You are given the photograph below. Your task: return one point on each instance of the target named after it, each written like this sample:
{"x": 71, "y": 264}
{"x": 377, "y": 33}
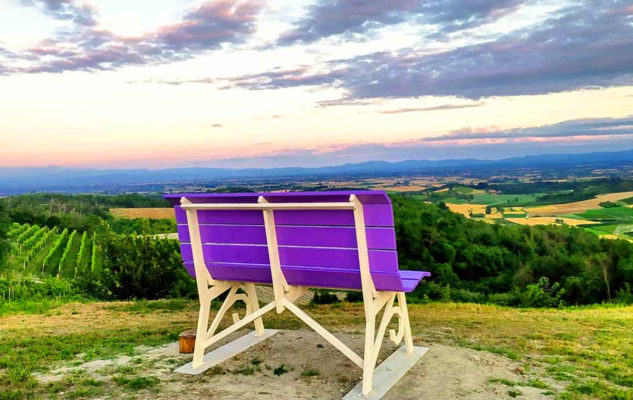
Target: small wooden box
{"x": 187, "y": 341}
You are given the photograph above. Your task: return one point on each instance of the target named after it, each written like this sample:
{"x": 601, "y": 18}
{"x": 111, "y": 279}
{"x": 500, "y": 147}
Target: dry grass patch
{"x": 578, "y": 206}
{"x": 155, "y": 213}
{"x": 550, "y": 221}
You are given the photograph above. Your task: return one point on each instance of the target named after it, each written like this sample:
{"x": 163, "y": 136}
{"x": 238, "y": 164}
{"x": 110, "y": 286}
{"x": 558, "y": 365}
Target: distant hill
{"x": 28, "y": 179}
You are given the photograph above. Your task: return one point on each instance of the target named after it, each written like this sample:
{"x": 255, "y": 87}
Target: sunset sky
{"x": 163, "y": 83}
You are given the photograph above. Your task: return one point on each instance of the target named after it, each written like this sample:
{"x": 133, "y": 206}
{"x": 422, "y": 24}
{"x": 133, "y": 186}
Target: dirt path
{"x": 312, "y": 369}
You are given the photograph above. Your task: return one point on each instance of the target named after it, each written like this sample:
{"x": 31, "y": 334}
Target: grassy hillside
{"x": 573, "y": 353}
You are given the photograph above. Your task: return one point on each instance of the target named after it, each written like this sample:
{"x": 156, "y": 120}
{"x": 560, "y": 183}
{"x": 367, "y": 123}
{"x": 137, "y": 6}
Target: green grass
{"x": 587, "y": 350}
{"x": 614, "y": 213}
{"x": 505, "y": 200}
{"x": 310, "y": 372}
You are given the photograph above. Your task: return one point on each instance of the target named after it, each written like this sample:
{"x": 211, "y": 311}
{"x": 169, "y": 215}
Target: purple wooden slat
{"x": 377, "y": 238}
{"x": 314, "y": 217}
{"x": 181, "y": 215}
{"x": 383, "y": 260}
{"x": 235, "y": 253}
{"x": 228, "y": 253}
{"x": 337, "y": 258}
{"x": 365, "y": 196}
{"x": 252, "y": 217}
{"x": 314, "y": 277}
{"x": 185, "y": 250}
{"x": 300, "y": 197}
{"x": 235, "y": 234}
{"x": 183, "y": 233}
{"x": 378, "y": 215}
{"x": 316, "y": 236}
{"x": 190, "y": 268}
{"x": 246, "y": 272}
{"x": 327, "y": 278}
{"x": 379, "y": 260}
{"x": 249, "y": 217}
{"x": 381, "y": 238}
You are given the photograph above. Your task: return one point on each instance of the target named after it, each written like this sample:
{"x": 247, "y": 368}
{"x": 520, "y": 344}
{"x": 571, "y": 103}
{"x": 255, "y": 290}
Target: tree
{"x": 4, "y": 228}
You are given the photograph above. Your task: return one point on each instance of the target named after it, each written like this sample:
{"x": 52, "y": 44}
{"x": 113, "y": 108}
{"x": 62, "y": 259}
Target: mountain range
{"x": 66, "y": 179}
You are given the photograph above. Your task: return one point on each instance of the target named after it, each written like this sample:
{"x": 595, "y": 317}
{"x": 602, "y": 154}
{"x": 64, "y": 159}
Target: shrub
{"x": 542, "y": 294}
{"x": 354, "y": 297}
{"x": 324, "y": 297}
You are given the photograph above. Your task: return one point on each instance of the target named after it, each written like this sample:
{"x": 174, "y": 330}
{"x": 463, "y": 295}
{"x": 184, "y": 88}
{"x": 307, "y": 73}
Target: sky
{"x": 169, "y": 83}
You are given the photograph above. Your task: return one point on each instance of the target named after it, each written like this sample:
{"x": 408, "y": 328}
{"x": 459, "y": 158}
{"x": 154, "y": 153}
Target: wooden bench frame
{"x": 394, "y": 303}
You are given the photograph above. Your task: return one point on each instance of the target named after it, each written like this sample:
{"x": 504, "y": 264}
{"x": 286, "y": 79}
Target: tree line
{"x": 516, "y": 265}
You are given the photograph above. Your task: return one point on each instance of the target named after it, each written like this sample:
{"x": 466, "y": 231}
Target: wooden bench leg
{"x": 201, "y": 332}
{"x": 373, "y": 339}
{"x": 205, "y": 334}
{"x": 253, "y": 302}
{"x": 369, "y": 363}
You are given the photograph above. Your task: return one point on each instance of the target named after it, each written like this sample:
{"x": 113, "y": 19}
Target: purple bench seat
{"x": 317, "y": 248}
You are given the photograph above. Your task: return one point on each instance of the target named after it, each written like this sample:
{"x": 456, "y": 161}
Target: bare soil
{"x": 301, "y": 365}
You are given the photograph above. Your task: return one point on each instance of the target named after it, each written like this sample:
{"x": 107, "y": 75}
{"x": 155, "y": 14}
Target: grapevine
{"x": 54, "y": 248}
{"x": 66, "y": 253}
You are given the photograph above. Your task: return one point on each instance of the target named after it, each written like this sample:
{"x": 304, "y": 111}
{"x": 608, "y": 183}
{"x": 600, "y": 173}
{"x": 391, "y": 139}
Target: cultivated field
{"x": 131, "y": 213}
{"x": 468, "y": 209}
{"x": 122, "y": 350}
{"x": 551, "y": 221}
{"x": 577, "y": 207}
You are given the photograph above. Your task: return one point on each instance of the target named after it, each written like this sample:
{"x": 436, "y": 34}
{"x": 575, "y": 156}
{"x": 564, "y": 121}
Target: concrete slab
{"x": 389, "y": 373}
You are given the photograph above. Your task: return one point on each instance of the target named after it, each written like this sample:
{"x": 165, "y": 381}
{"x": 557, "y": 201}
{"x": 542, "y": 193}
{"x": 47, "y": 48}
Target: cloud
{"x": 436, "y": 108}
{"x": 574, "y": 136}
{"x": 210, "y": 25}
{"x": 328, "y": 18}
{"x": 586, "y": 45}
{"x": 86, "y": 48}
{"x": 66, "y": 10}
{"x": 579, "y": 127}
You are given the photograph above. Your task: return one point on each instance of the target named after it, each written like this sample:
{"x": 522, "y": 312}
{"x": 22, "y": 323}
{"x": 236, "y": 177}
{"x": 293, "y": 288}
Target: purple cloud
{"x": 85, "y": 48}
{"x": 210, "y": 25}
{"x": 329, "y": 18}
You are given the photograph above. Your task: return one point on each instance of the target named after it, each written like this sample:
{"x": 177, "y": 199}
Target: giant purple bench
{"x": 295, "y": 241}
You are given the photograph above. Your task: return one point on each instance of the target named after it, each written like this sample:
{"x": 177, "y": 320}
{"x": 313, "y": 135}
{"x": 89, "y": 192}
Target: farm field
{"x": 577, "y": 207}
{"x": 42, "y": 251}
{"x": 154, "y": 213}
{"x": 613, "y": 221}
{"x": 569, "y": 354}
{"x": 551, "y": 221}
{"x": 505, "y": 200}
{"x": 613, "y": 213}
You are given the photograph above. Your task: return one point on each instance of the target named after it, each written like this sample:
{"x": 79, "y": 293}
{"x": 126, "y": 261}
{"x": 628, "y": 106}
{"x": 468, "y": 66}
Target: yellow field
{"x": 409, "y": 188}
{"x": 577, "y": 207}
{"x": 549, "y": 221}
{"x": 131, "y": 213}
{"x": 466, "y": 209}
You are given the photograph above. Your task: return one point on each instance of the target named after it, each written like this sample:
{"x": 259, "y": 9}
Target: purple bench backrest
{"x": 316, "y": 247}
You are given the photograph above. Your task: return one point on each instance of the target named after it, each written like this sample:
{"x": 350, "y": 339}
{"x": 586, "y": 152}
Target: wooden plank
{"x": 389, "y": 373}
{"x": 225, "y": 352}
{"x": 270, "y": 206}
{"x": 379, "y": 238}
{"x": 379, "y": 260}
